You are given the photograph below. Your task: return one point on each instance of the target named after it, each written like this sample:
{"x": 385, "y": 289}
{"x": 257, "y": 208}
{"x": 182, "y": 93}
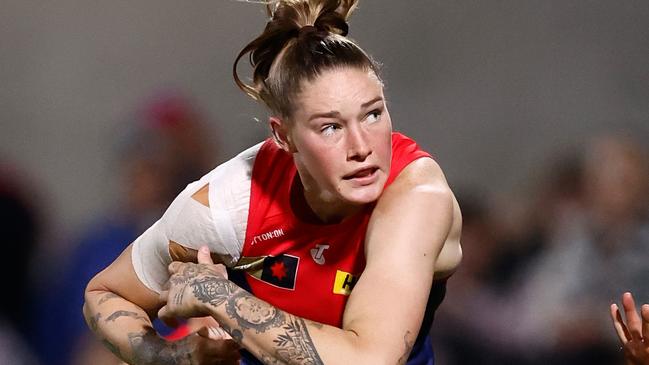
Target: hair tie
{"x": 306, "y": 30}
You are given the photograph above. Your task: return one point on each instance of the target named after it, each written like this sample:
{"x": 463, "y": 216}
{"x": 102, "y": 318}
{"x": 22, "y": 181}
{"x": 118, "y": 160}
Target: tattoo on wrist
{"x": 213, "y": 290}
{"x": 295, "y": 344}
{"x": 252, "y": 313}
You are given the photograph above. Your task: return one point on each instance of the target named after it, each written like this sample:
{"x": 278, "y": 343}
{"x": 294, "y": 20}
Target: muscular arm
{"x": 408, "y": 228}
{"x": 117, "y": 310}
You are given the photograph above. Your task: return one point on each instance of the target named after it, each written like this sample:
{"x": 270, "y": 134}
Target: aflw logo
{"x": 266, "y": 236}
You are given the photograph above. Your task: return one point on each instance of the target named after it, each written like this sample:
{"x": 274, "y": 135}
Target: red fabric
{"x": 274, "y": 230}
{"x": 179, "y": 333}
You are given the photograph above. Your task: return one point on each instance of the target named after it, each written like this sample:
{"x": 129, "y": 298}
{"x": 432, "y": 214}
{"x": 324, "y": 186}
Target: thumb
{"x": 204, "y": 256}
{"x": 203, "y": 332}
{"x": 167, "y": 318}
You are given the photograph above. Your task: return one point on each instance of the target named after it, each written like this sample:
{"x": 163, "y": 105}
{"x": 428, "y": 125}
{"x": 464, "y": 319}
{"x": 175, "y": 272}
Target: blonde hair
{"x": 302, "y": 39}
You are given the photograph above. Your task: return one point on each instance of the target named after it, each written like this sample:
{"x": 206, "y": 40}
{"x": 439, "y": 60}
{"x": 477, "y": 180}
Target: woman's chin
{"x": 363, "y": 195}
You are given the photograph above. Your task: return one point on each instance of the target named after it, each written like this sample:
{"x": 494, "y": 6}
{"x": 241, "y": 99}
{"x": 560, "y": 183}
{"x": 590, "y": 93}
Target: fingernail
{"x": 204, "y": 249}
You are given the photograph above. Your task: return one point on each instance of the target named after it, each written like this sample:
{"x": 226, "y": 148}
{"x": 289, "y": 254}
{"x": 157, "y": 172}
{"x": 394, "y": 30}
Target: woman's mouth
{"x": 363, "y": 176}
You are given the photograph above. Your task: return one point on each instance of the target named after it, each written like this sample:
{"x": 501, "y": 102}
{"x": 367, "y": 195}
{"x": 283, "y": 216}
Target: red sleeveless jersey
{"x": 309, "y": 269}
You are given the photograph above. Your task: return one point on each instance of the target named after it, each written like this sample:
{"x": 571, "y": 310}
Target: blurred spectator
{"x": 167, "y": 147}
{"x": 20, "y": 230}
{"x": 597, "y": 250}
{"x": 536, "y": 292}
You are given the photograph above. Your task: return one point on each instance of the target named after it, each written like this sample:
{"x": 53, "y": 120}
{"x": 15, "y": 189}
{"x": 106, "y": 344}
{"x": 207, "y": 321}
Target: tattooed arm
{"x": 411, "y": 223}
{"x": 208, "y": 291}
{"x": 118, "y": 309}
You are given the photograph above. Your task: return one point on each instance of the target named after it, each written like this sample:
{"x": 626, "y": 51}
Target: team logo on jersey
{"x": 279, "y": 271}
{"x": 317, "y": 253}
{"x": 344, "y": 283}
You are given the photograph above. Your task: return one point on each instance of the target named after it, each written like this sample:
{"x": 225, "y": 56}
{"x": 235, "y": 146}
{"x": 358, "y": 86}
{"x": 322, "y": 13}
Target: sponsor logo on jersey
{"x": 279, "y": 271}
{"x": 317, "y": 253}
{"x": 344, "y": 283}
{"x": 267, "y": 236}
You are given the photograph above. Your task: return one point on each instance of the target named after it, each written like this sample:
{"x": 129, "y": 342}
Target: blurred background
{"x": 538, "y": 111}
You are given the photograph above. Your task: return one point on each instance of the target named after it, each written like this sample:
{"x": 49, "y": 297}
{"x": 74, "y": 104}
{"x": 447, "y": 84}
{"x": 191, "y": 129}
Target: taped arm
{"x": 407, "y": 230}
{"x": 122, "y": 299}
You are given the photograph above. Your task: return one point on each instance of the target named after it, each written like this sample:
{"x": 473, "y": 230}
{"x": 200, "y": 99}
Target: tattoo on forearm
{"x": 296, "y": 344}
{"x": 119, "y": 314}
{"x": 149, "y": 348}
{"x": 408, "y": 343}
{"x": 92, "y": 321}
{"x": 237, "y": 336}
{"x": 107, "y": 297}
{"x": 213, "y": 290}
{"x": 252, "y": 313}
{"x": 269, "y": 360}
{"x": 291, "y": 344}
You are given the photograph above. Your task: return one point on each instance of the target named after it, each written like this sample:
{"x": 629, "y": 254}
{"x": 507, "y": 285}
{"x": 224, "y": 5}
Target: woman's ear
{"x": 280, "y": 134}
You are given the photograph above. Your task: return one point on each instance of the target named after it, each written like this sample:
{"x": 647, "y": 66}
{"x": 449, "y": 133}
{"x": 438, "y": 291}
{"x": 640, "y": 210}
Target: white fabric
{"x": 222, "y": 225}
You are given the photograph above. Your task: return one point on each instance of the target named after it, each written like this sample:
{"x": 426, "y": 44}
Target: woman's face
{"x": 340, "y": 136}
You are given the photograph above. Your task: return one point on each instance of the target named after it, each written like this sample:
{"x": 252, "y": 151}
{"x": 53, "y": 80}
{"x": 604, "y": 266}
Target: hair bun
{"x": 301, "y": 38}
{"x": 333, "y": 23}
{"x": 326, "y": 15}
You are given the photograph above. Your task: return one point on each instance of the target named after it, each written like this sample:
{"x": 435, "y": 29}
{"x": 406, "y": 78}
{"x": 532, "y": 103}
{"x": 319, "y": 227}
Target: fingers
{"x": 210, "y": 321}
{"x": 644, "y": 311}
{"x": 214, "y": 333}
{"x": 165, "y": 316}
{"x": 195, "y": 323}
{"x": 618, "y": 323}
{"x": 204, "y": 256}
{"x": 633, "y": 321}
{"x": 175, "y": 267}
{"x": 218, "y": 333}
{"x": 203, "y": 332}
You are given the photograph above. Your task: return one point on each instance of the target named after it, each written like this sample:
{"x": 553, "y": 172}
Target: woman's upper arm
{"x": 407, "y": 231}
{"x": 120, "y": 278}
{"x": 140, "y": 272}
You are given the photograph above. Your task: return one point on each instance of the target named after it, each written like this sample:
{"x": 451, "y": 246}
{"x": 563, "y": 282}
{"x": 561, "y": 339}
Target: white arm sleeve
{"x": 190, "y": 224}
